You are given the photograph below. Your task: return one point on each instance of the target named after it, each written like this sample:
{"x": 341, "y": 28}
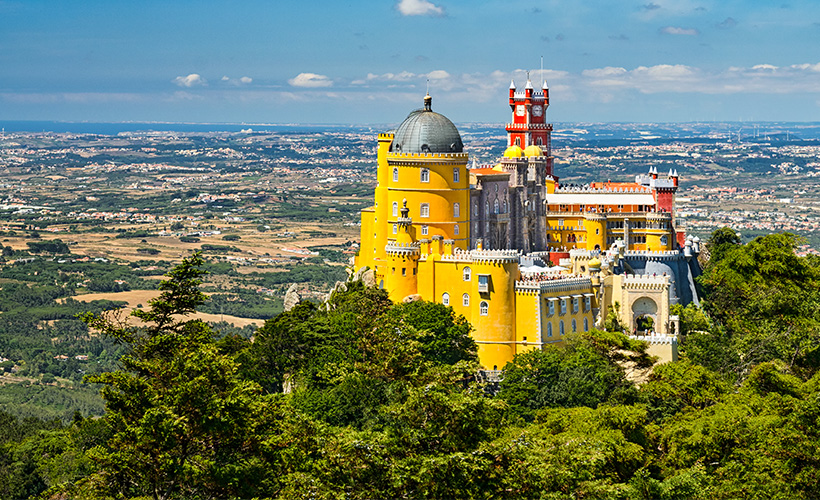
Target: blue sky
{"x": 336, "y": 61}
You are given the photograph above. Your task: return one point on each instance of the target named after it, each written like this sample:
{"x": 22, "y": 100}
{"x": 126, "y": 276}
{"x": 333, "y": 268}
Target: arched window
{"x": 445, "y": 298}
{"x": 425, "y": 175}
{"x": 483, "y": 308}
{"x": 467, "y": 274}
{"x": 505, "y": 207}
{"x": 465, "y": 300}
{"x": 456, "y": 175}
{"x": 538, "y": 141}
{"x": 517, "y": 141}
{"x": 486, "y": 209}
{"x": 549, "y": 329}
{"x": 561, "y": 327}
{"x": 395, "y": 175}
{"x": 455, "y": 229}
{"x": 495, "y": 206}
{"x": 574, "y": 325}
{"x": 456, "y": 210}
{"x": 586, "y": 324}
{"x": 395, "y": 229}
{"x": 395, "y": 209}
{"x": 424, "y": 211}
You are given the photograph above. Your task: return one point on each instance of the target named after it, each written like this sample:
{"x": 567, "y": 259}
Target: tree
{"x": 584, "y": 372}
{"x": 184, "y": 424}
{"x": 768, "y": 300}
{"x": 721, "y": 241}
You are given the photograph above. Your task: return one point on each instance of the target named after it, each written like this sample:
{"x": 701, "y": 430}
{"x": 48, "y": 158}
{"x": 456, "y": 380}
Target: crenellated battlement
{"x": 480, "y": 256}
{"x": 645, "y": 281}
{"x": 658, "y": 339}
{"x": 646, "y": 254}
{"x": 603, "y": 190}
{"x": 402, "y": 249}
{"x": 555, "y": 285}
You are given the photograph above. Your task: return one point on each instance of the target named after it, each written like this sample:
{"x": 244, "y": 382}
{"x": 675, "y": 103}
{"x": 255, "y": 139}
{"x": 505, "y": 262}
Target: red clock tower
{"x": 529, "y": 125}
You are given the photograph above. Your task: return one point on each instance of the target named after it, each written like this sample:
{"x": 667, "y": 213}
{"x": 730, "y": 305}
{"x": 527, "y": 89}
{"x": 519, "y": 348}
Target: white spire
{"x": 512, "y": 84}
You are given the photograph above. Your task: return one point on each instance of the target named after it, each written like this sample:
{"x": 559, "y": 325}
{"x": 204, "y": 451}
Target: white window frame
{"x": 445, "y": 298}
{"x": 456, "y": 210}
{"x": 424, "y": 230}
{"x": 484, "y": 308}
{"x": 465, "y": 300}
{"x": 424, "y": 210}
{"x": 467, "y": 274}
{"x": 395, "y": 174}
{"x": 483, "y": 283}
{"x": 395, "y": 209}
{"x": 395, "y": 229}
{"x": 552, "y": 307}
{"x": 563, "y": 306}
{"x": 425, "y": 175}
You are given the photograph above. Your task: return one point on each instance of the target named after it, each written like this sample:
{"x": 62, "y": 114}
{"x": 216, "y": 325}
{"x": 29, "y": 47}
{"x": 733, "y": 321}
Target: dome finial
{"x": 428, "y": 102}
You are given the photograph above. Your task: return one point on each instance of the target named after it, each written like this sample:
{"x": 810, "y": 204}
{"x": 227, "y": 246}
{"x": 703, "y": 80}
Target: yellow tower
{"x": 659, "y": 236}
{"x": 595, "y": 225}
{"x": 427, "y": 167}
{"x": 494, "y": 312}
{"x": 401, "y": 267}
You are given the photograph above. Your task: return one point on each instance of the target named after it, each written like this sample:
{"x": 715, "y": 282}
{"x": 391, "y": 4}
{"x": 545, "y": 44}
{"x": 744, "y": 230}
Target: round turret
{"x": 425, "y": 131}
{"x": 533, "y": 150}
{"x": 513, "y": 152}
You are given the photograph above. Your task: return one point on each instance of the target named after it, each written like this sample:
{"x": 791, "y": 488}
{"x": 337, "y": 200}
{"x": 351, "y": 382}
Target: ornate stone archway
{"x": 644, "y": 307}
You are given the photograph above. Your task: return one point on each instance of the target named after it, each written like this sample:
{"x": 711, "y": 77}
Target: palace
{"x": 525, "y": 259}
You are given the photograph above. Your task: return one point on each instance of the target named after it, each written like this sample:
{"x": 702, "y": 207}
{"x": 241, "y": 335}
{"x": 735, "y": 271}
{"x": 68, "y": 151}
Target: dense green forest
{"x": 360, "y": 398}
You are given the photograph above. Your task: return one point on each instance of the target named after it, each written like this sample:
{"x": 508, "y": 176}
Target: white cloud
{"x": 419, "y": 8}
{"x": 245, "y": 80}
{"x": 764, "y": 67}
{"x": 665, "y": 71}
{"x": 310, "y": 80}
{"x": 438, "y": 74}
{"x": 810, "y": 67}
{"x": 602, "y": 72}
{"x": 192, "y": 80}
{"x": 675, "y": 30}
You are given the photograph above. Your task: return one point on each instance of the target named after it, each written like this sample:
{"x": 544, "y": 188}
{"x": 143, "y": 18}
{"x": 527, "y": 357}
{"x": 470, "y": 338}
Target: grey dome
{"x": 425, "y": 131}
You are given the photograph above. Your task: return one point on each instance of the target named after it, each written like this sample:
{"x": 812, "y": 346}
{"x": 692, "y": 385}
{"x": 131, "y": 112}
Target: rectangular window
{"x": 563, "y": 306}
{"x": 425, "y": 175}
{"x": 424, "y": 230}
{"x": 587, "y": 304}
{"x": 574, "y": 305}
{"x": 552, "y": 307}
{"x": 560, "y": 222}
{"x": 425, "y": 210}
{"x": 404, "y": 271}
{"x": 483, "y": 283}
